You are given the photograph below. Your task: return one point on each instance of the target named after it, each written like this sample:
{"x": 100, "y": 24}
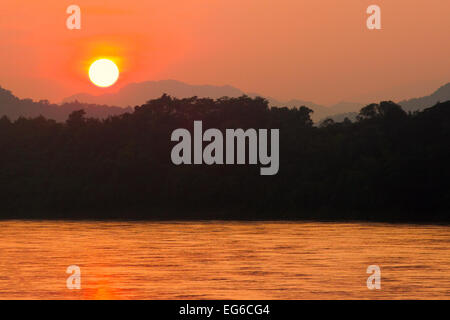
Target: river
{"x": 223, "y": 260}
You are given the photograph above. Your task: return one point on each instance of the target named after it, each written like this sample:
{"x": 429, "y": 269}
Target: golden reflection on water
{"x": 222, "y": 260}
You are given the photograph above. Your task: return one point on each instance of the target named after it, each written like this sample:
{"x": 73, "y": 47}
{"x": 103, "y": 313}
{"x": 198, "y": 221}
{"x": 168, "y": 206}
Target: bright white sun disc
{"x": 103, "y": 73}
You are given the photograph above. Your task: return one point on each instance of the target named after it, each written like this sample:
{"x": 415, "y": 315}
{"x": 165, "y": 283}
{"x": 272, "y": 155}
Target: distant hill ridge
{"x": 416, "y": 104}
{"x": 138, "y": 93}
{"x": 13, "y": 107}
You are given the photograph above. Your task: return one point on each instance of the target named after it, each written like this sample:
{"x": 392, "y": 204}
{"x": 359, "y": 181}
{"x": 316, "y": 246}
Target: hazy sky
{"x": 318, "y": 50}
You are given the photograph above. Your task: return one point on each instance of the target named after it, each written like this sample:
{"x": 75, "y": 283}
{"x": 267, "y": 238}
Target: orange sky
{"x": 307, "y": 49}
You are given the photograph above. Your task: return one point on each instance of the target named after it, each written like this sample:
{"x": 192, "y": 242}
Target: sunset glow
{"x": 225, "y": 159}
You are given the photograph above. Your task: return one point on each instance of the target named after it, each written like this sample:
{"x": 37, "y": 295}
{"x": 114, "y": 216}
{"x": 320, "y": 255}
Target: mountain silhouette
{"x": 134, "y": 94}
{"x": 345, "y": 107}
{"x": 417, "y": 104}
{"x": 13, "y": 107}
{"x": 138, "y": 93}
{"x": 349, "y": 110}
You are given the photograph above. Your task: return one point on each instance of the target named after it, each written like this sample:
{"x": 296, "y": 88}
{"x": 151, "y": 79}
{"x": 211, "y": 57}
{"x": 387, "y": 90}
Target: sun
{"x": 103, "y": 73}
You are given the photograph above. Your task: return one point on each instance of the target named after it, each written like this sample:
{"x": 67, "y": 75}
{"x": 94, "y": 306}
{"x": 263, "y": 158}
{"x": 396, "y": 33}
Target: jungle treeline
{"x": 388, "y": 165}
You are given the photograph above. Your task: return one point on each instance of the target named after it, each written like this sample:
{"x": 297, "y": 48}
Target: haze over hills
{"x": 134, "y": 94}
{"x": 138, "y": 93}
{"x": 13, "y": 107}
{"x": 416, "y": 104}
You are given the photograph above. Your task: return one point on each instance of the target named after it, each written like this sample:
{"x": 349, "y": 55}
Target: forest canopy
{"x": 388, "y": 165}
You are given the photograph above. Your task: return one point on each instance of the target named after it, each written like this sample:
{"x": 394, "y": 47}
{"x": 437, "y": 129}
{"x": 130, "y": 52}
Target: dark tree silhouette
{"x": 388, "y": 165}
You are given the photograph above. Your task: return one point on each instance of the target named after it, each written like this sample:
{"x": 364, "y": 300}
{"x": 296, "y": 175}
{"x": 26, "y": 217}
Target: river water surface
{"x": 223, "y": 260}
